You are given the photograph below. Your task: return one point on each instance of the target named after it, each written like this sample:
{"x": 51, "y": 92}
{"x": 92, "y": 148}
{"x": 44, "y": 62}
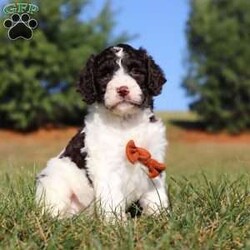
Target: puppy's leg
{"x": 63, "y": 189}
{"x": 155, "y": 200}
{"x": 110, "y": 200}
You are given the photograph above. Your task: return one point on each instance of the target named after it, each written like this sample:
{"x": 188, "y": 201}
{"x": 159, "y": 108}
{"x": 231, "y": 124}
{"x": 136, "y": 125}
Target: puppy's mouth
{"x": 125, "y": 102}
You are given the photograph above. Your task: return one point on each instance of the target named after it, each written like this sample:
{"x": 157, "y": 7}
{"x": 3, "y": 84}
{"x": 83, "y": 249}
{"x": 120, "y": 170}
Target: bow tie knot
{"x": 136, "y": 154}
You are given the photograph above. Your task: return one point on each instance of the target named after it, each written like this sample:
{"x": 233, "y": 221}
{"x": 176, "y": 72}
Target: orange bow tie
{"x": 135, "y": 154}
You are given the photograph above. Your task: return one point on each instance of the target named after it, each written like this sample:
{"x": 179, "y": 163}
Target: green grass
{"x": 205, "y": 215}
{"x": 209, "y": 186}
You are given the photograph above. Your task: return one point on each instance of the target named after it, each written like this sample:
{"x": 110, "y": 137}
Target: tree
{"x": 38, "y": 76}
{"x": 219, "y": 57}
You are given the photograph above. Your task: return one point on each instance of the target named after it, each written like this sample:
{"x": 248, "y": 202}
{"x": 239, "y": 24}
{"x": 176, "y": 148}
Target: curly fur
{"x": 93, "y": 77}
{"x": 118, "y": 85}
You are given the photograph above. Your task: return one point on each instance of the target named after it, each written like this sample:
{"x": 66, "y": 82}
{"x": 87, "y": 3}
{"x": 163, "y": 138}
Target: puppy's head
{"x": 121, "y": 78}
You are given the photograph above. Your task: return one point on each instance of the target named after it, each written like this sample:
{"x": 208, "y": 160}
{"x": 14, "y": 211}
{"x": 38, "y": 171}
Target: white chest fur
{"x": 106, "y": 139}
{"x": 62, "y": 188}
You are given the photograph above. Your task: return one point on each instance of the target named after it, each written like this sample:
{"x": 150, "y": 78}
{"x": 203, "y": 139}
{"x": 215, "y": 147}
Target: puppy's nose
{"x": 123, "y": 91}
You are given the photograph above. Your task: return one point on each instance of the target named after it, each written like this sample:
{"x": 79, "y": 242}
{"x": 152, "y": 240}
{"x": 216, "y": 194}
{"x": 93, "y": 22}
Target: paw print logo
{"x": 20, "y": 26}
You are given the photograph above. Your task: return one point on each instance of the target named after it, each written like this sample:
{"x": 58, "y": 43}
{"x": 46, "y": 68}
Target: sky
{"x": 160, "y": 26}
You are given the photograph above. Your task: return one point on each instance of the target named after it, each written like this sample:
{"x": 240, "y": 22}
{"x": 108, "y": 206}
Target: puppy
{"x": 93, "y": 170}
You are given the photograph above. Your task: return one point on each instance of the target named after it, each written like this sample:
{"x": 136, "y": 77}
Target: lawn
{"x": 209, "y": 186}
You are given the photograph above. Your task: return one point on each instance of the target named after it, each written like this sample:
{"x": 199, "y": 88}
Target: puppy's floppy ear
{"x": 86, "y": 82}
{"x": 156, "y": 77}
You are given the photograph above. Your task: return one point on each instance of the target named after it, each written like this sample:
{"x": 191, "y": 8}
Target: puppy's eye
{"x": 135, "y": 68}
{"x": 136, "y": 71}
{"x": 106, "y": 72}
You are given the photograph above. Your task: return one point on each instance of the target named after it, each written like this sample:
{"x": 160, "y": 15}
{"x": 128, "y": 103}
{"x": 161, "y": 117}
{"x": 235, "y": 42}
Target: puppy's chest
{"x": 106, "y": 142}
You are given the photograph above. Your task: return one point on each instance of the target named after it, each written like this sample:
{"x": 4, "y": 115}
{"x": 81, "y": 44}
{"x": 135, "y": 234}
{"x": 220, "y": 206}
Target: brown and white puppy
{"x": 118, "y": 85}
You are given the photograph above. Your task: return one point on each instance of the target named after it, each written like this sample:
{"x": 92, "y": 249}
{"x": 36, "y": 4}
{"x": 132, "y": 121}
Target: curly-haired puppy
{"x": 118, "y": 85}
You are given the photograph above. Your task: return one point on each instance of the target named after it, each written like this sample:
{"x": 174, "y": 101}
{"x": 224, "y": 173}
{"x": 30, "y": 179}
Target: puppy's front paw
{"x": 111, "y": 215}
{"x": 154, "y": 206}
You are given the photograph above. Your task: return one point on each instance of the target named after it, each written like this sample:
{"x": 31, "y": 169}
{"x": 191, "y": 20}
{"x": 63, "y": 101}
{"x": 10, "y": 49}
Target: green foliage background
{"x": 219, "y": 58}
{"x": 38, "y": 75}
